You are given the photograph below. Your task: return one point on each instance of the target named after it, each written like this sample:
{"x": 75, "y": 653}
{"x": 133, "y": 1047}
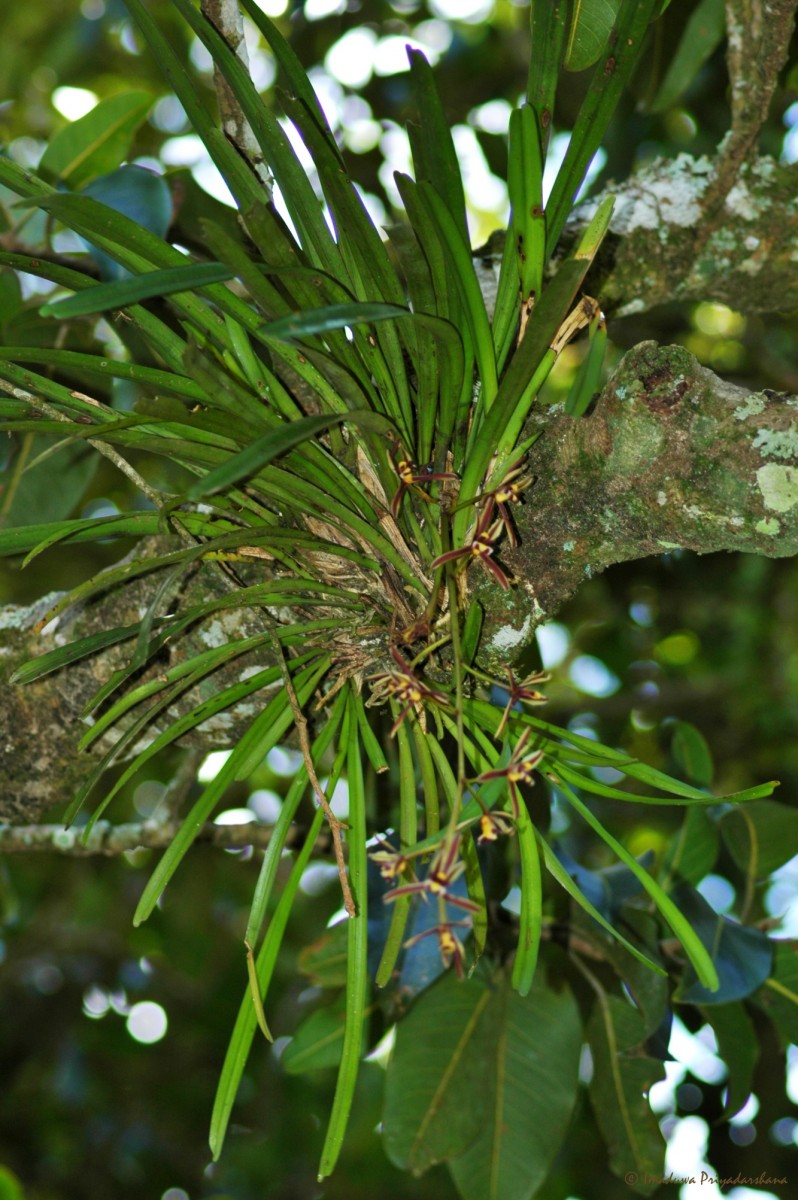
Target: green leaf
{"x": 692, "y": 853}
{"x": 588, "y": 377}
{"x": 619, "y": 1088}
{"x": 96, "y": 143}
{"x": 547, "y": 28}
{"x": 246, "y": 1022}
{"x": 324, "y": 961}
{"x": 269, "y": 726}
{"x": 566, "y": 880}
{"x": 738, "y": 1046}
{"x": 701, "y": 35}
{"x": 742, "y": 954}
{"x": 531, "y": 915}
{"x": 779, "y": 995}
{"x": 10, "y": 1187}
{"x": 261, "y": 452}
{"x": 332, "y": 316}
{"x": 318, "y": 1041}
{"x": 137, "y": 193}
{"x": 357, "y": 957}
{"x": 236, "y": 172}
{"x": 530, "y": 1069}
{"x": 690, "y": 750}
{"x": 123, "y": 292}
{"x": 694, "y": 947}
{"x": 591, "y": 25}
{"x": 761, "y": 836}
{"x": 28, "y": 497}
{"x": 610, "y": 77}
{"x": 434, "y": 157}
{"x": 439, "y": 1058}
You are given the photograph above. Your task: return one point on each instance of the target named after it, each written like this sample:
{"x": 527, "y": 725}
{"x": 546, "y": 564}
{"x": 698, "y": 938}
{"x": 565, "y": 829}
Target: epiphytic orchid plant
{"x": 342, "y": 424}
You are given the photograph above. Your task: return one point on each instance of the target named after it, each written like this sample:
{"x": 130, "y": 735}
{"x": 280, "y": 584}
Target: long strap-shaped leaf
{"x": 610, "y": 77}
{"x": 237, "y": 174}
{"x": 693, "y": 947}
{"x": 357, "y": 956}
{"x": 272, "y": 723}
{"x": 246, "y": 1023}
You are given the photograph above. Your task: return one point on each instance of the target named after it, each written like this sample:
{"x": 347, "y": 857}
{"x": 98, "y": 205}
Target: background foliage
{"x": 711, "y": 642}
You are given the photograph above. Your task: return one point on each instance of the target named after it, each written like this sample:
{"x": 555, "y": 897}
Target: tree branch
{"x": 671, "y": 457}
{"x": 747, "y": 258}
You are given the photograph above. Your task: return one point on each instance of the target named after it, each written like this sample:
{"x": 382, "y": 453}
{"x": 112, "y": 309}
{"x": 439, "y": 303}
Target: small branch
{"x": 226, "y": 18}
{"x": 334, "y": 823}
{"x": 110, "y": 840}
{"x": 759, "y": 36}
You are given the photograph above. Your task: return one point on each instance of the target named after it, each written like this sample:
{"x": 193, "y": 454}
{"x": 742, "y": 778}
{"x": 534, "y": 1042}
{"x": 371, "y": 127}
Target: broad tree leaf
{"x": 622, "y": 1076}
{"x": 435, "y": 1082}
{"x": 29, "y": 498}
{"x": 96, "y": 143}
{"x": 702, "y": 34}
{"x": 761, "y": 836}
{"x": 693, "y": 851}
{"x": 691, "y": 752}
{"x": 779, "y": 994}
{"x": 318, "y": 1041}
{"x": 136, "y": 193}
{"x": 529, "y": 1075}
{"x": 742, "y": 955}
{"x": 738, "y": 1046}
{"x": 481, "y": 1070}
{"x": 591, "y": 24}
{"x": 324, "y": 961}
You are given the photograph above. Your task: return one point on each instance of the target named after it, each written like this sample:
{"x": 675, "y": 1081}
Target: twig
{"x": 111, "y": 840}
{"x": 759, "y": 38}
{"x": 334, "y": 823}
{"x": 225, "y": 16}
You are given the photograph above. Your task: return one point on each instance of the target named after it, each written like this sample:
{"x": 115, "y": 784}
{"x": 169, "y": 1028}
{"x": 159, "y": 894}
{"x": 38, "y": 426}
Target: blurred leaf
{"x": 591, "y": 25}
{"x": 691, "y": 752}
{"x": 622, "y": 1076}
{"x": 137, "y": 193}
{"x": 779, "y": 995}
{"x": 761, "y": 836}
{"x": 742, "y": 955}
{"x": 28, "y": 497}
{"x": 324, "y": 961}
{"x": 702, "y": 34}
{"x": 10, "y": 1187}
{"x": 738, "y": 1046}
{"x": 692, "y": 852}
{"x": 97, "y": 143}
{"x": 318, "y": 1040}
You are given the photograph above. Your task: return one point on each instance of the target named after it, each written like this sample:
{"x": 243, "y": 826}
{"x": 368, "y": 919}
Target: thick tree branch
{"x": 671, "y": 457}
